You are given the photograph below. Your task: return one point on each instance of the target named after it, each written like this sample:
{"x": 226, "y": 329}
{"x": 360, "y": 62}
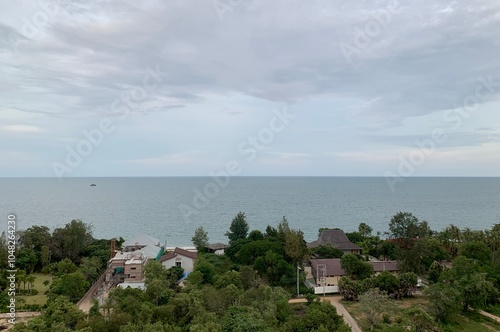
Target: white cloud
{"x": 23, "y": 129}
{"x": 219, "y": 78}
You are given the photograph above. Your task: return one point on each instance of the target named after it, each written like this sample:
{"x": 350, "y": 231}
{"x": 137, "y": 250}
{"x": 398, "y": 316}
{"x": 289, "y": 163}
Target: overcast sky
{"x": 168, "y": 88}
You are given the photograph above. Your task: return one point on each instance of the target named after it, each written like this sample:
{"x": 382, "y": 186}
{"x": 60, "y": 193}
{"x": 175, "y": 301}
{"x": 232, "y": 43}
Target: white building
{"x": 179, "y": 257}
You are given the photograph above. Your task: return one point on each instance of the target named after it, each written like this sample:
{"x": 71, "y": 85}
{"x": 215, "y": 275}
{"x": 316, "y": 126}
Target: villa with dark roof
{"x": 337, "y": 239}
{"x": 331, "y": 270}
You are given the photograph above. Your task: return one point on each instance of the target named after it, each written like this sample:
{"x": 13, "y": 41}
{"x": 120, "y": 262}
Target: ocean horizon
{"x": 170, "y": 208}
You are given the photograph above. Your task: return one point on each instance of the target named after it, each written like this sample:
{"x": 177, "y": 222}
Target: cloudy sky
{"x": 169, "y": 88}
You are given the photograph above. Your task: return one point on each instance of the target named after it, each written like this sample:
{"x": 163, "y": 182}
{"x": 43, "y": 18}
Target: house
{"x": 337, "y": 239}
{"x": 179, "y": 257}
{"x": 327, "y": 272}
{"x": 127, "y": 266}
{"x": 134, "y": 267}
{"x": 139, "y": 242}
{"x": 217, "y": 248}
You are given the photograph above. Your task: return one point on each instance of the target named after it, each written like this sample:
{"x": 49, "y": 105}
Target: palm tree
{"x": 31, "y": 281}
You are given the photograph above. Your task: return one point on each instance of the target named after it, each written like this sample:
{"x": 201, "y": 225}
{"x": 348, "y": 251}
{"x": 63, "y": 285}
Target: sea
{"x": 171, "y": 208}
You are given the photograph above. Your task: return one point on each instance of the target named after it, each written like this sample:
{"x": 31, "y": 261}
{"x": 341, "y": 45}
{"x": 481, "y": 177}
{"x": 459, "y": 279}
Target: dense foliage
{"x": 248, "y": 288}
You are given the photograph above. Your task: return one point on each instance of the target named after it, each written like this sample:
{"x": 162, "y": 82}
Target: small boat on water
{"x": 92, "y": 185}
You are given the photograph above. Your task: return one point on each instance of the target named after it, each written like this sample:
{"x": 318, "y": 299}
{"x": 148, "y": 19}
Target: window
{"x": 179, "y": 264}
{"x": 132, "y": 268}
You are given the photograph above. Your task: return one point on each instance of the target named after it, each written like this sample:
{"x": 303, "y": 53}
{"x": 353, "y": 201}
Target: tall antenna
{"x": 112, "y": 249}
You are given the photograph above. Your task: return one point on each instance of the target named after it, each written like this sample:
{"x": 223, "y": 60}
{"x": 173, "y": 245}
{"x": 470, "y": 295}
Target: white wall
{"x": 186, "y": 263}
{"x": 327, "y": 289}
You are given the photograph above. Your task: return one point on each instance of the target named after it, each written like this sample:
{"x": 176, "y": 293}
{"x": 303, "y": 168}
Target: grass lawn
{"x": 398, "y": 321}
{"x": 494, "y": 310}
{"x": 39, "y": 298}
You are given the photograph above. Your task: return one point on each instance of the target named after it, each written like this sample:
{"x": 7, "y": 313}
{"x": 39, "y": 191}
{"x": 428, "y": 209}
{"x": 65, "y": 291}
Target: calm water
{"x": 128, "y": 206}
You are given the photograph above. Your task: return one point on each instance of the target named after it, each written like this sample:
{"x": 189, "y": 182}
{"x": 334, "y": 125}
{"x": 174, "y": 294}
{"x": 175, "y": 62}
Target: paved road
{"x": 341, "y": 310}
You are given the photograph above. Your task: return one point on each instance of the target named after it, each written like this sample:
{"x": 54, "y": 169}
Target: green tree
{"x": 61, "y": 310}
{"x": 21, "y": 278}
{"x": 387, "y": 250}
{"x": 243, "y": 319}
{"x": 238, "y": 228}
{"x": 271, "y": 233}
{"x": 90, "y": 268}
{"x": 253, "y": 250}
{"x": 30, "y": 279}
{"x": 73, "y": 285}
{"x": 70, "y": 241}
{"x": 434, "y": 272}
{"x": 407, "y": 284}
{"x": 469, "y": 235}
{"x": 327, "y": 251}
{"x": 45, "y": 256}
{"x": 206, "y": 269}
{"x": 283, "y": 229}
{"x": 200, "y": 239}
{"x": 420, "y": 319}
{"x": 26, "y": 259}
{"x": 295, "y": 246}
{"x": 387, "y": 282}
{"x": 476, "y": 250}
{"x": 64, "y": 266}
{"x": 364, "y": 230}
{"x": 476, "y": 291}
{"x": 373, "y": 304}
{"x": 248, "y": 276}
{"x": 356, "y": 267}
{"x": 255, "y": 235}
{"x": 444, "y": 301}
{"x": 350, "y": 289}
{"x": 405, "y": 228}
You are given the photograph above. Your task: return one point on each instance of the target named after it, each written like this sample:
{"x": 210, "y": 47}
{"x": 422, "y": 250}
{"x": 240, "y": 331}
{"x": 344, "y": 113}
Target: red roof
{"x": 178, "y": 251}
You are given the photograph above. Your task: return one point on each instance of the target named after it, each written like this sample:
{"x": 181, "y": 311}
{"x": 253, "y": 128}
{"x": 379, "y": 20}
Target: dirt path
{"x": 341, "y": 310}
{"x": 22, "y": 316}
{"x": 86, "y": 304}
{"x": 487, "y": 314}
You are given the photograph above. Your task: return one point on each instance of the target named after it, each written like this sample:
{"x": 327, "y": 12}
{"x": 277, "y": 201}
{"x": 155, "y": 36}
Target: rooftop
{"x": 217, "y": 246}
{"x": 333, "y": 266}
{"x": 142, "y": 240}
{"x": 178, "y": 251}
{"x": 335, "y": 237}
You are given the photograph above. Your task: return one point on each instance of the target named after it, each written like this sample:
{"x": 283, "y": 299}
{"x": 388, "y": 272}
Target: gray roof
{"x": 390, "y": 266}
{"x": 142, "y": 240}
{"x": 335, "y": 237}
{"x": 333, "y": 266}
{"x": 150, "y": 251}
{"x": 217, "y": 246}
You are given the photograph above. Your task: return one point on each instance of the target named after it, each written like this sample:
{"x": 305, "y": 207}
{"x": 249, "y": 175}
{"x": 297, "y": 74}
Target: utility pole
{"x": 298, "y": 289}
